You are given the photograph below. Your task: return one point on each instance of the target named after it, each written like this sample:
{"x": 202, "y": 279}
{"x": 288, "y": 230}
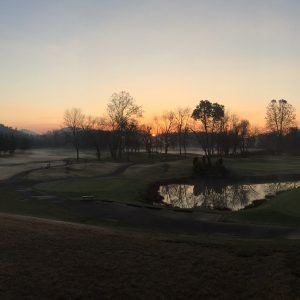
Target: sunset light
{"x": 150, "y": 149}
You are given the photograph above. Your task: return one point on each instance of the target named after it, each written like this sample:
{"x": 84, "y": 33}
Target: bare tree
{"x": 122, "y": 112}
{"x": 223, "y": 137}
{"x": 244, "y": 135}
{"x": 93, "y": 128}
{"x": 147, "y": 138}
{"x": 167, "y": 127}
{"x": 157, "y": 134}
{"x": 280, "y": 118}
{"x": 182, "y": 123}
{"x": 73, "y": 119}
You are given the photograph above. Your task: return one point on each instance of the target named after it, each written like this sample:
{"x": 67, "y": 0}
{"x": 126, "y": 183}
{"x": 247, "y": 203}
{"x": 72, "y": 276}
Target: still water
{"x": 220, "y": 195}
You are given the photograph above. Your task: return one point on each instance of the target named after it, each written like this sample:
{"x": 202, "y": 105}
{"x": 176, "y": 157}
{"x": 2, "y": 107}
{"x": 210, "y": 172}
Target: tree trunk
{"x": 98, "y": 152}
{"x": 77, "y": 152}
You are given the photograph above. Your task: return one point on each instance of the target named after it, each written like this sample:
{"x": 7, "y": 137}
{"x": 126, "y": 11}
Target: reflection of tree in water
{"x": 218, "y": 195}
{"x": 276, "y": 187}
{"x": 179, "y": 195}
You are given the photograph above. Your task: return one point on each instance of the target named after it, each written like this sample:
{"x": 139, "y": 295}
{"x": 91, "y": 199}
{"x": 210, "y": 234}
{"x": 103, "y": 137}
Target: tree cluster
{"x": 217, "y": 132}
{"x": 12, "y": 139}
{"x": 209, "y": 125}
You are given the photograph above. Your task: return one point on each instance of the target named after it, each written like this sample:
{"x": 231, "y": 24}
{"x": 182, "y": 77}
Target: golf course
{"x": 102, "y": 212}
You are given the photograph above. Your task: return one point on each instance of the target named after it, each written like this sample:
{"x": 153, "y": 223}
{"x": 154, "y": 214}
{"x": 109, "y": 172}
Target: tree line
{"x": 215, "y": 130}
{"x": 12, "y": 139}
{"x": 209, "y": 127}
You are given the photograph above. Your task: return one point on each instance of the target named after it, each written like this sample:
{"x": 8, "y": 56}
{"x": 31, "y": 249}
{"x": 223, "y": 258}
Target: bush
{"x": 204, "y": 167}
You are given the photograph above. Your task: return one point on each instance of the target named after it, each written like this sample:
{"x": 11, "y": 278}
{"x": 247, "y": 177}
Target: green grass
{"x": 14, "y": 202}
{"x": 143, "y": 158}
{"x": 284, "y": 209}
{"x": 264, "y": 165}
{"x": 131, "y": 186}
{"x": 108, "y": 188}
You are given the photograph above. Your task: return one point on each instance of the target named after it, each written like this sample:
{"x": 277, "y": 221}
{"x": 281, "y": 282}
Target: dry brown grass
{"x": 48, "y": 260}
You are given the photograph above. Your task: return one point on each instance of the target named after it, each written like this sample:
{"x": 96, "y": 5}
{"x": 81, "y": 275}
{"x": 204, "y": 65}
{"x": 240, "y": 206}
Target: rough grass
{"x": 284, "y": 209}
{"x": 133, "y": 184}
{"x": 89, "y": 169}
{"x": 264, "y": 165}
{"x": 129, "y": 187}
{"x": 14, "y": 202}
{"x": 41, "y": 259}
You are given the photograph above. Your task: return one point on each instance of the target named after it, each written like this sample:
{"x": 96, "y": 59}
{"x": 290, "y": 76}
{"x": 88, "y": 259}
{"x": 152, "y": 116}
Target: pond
{"x": 220, "y": 195}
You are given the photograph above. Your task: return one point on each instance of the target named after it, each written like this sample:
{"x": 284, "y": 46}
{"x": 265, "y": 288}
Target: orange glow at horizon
{"x": 255, "y": 117}
{"x": 166, "y": 54}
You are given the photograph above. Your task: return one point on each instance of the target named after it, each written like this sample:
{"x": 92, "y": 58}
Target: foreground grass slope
{"x": 42, "y": 259}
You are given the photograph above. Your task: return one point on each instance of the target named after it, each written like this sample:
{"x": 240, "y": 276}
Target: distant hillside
{"x": 29, "y": 132}
{"x": 9, "y": 130}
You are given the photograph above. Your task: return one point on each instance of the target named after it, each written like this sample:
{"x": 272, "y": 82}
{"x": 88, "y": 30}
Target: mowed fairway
{"x": 47, "y": 260}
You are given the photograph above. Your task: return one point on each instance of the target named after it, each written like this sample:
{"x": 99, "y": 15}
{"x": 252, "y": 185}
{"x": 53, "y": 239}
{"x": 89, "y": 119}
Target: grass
{"x": 284, "y": 209}
{"x": 44, "y": 258}
{"x": 132, "y": 187}
{"x": 41, "y": 259}
{"x": 143, "y": 158}
{"x": 14, "y": 202}
{"x": 108, "y": 188}
{"x": 129, "y": 187}
{"x": 264, "y": 165}
{"x": 85, "y": 169}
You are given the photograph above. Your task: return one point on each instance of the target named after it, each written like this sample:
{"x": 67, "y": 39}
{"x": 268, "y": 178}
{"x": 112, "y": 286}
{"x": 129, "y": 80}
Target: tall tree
{"x": 244, "y": 135}
{"x": 280, "y": 118}
{"x": 122, "y": 111}
{"x": 210, "y": 116}
{"x": 182, "y": 123}
{"x": 93, "y": 129}
{"x": 167, "y": 127}
{"x": 73, "y": 120}
{"x": 147, "y": 138}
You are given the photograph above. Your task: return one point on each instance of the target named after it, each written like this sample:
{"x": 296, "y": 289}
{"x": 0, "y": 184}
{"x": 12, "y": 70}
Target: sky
{"x": 60, "y": 54}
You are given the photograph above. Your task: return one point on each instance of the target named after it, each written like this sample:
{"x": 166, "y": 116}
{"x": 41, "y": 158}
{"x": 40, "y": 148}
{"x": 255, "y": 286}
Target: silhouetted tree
{"x": 182, "y": 123}
{"x": 147, "y": 138}
{"x": 210, "y": 116}
{"x": 279, "y": 118}
{"x": 93, "y": 130}
{"x": 122, "y": 112}
{"x": 167, "y": 126}
{"x": 73, "y": 120}
{"x": 244, "y": 136}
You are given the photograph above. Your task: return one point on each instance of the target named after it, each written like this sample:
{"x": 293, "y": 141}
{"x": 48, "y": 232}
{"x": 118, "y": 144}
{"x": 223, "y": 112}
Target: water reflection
{"x": 219, "y": 195}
